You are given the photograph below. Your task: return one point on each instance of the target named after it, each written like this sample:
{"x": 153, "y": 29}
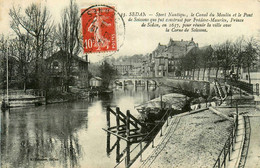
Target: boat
{"x": 105, "y": 92}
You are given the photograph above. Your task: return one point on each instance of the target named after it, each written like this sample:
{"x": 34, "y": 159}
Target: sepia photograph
{"x": 130, "y": 84}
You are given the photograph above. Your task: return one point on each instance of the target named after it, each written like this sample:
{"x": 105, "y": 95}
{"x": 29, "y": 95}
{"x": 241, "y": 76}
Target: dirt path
{"x": 196, "y": 142}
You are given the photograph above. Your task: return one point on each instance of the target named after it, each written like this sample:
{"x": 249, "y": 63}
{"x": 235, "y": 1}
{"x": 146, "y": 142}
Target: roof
{"x": 122, "y": 63}
{"x": 160, "y": 47}
{"x": 63, "y": 54}
{"x": 178, "y": 43}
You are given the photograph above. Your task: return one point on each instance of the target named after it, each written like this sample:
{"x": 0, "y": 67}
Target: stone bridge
{"x": 137, "y": 81}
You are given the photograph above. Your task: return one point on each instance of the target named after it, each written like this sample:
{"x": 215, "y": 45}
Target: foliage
{"x": 240, "y": 54}
{"x": 68, "y": 36}
{"x": 107, "y": 73}
{"x": 32, "y": 28}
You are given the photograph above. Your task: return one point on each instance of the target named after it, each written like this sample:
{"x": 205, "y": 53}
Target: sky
{"x": 139, "y": 40}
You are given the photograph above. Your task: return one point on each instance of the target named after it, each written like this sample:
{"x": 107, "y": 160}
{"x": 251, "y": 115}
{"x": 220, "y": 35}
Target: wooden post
{"x": 141, "y": 151}
{"x": 167, "y": 117}
{"x": 161, "y": 100}
{"x": 108, "y": 116}
{"x": 46, "y": 95}
{"x": 233, "y": 139}
{"x": 236, "y": 121}
{"x": 118, "y": 139}
{"x": 237, "y": 113}
{"x": 127, "y": 136}
{"x": 161, "y": 131}
{"x": 225, "y": 155}
{"x": 108, "y": 126}
{"x": 7, "y": 77}
{"x": 229, "y": 144}
{"x": 231, "y": 97}
{"x": 257, "y": 89}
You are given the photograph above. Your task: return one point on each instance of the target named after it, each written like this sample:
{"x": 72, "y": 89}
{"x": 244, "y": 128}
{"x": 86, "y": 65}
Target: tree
{"x": 205, "y": 58}
{"x": 7, "y": 56}
{"x": 36, "y": 22}
{"x": 107, "y": 73}
{"x": 250, "y": 55}
{"x": 68, "y": 36}
{"x": 217, "y": 57}
{"x": 192, "y": 59}
{"x": 228, "y": 55}
{"x": 239, "y": 52}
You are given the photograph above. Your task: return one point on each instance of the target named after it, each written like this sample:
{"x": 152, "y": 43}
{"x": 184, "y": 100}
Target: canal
{"x": 66, "y": 134}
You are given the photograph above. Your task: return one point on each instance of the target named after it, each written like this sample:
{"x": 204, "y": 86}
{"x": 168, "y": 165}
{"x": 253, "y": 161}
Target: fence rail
{"x": 229, "y": 144}
{"x": 34, "y": 92}
{"x": 248, "y": 87}
{"x": 142, "y": 148}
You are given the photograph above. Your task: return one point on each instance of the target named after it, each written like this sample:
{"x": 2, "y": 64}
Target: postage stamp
{"x": 99, "y": 29}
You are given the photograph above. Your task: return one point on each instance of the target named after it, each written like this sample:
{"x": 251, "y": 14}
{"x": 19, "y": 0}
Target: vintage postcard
{"x": 140, "y": 83}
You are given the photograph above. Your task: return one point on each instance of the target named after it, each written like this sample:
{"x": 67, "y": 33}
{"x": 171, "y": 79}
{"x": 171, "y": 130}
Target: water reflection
{"x": 67, "y": 134}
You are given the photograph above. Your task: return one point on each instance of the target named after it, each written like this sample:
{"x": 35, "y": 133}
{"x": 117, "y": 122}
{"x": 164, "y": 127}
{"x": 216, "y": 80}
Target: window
{"x": 55, "y": 65}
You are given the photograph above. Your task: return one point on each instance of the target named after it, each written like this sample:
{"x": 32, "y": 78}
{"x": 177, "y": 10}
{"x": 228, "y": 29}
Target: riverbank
{"x": 19, "y": 98}
{"x": 195, "y": 141}
{"x": 198, "y": 138}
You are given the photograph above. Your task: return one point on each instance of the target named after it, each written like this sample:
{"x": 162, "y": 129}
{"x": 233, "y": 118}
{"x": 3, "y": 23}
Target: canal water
{"x": 66, "y": 134}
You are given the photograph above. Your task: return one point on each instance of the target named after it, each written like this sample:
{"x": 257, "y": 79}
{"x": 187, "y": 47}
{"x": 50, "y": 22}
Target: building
{"x": 95, "y": 82}
{"x": 136, "y": 69}
{"x": 161, "y": 66}
{"x": 165, "y": 58}
{"x": 123, "y": 68}
{"x": 58, "y": 67}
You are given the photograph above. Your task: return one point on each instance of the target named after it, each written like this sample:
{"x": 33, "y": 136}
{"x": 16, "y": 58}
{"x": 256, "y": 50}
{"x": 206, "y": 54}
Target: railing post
{"x": 167, "y": 117}
{"x": 229, "y": 147}
{"x": 257, "y": 89}
{"x": 237, "y": 113}
{"x": 161, "y": 131}
{"x": 141, "y": 151}
{"x": 231, "y": 97}
{"x": 118, "y": 139}
{"x": 127, "y": 136}
{"x": 225, "y": 155}
{"x": 161, "y": 101}
{"x": 108, "y": 126}
{"x": 233, "y": 138}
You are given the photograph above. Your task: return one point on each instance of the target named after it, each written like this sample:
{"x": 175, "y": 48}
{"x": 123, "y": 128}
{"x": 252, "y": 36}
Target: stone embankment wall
{"x": 188, "y": 85}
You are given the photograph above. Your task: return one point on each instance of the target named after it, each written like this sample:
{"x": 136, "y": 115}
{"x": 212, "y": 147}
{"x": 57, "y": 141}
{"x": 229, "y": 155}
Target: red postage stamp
{"x": 99, "y": 29}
